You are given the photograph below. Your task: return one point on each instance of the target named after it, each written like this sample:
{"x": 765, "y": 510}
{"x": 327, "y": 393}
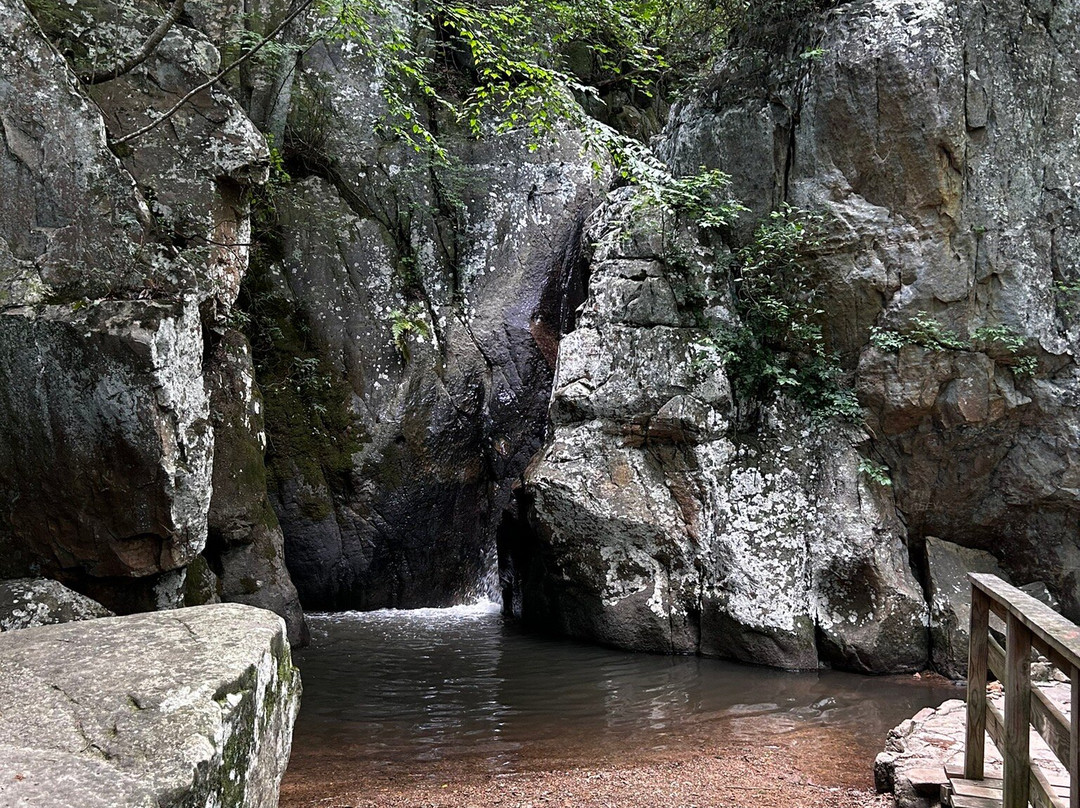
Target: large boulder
{"x": 106, "y": 446}
{"x": 29, "y": 602}
{"x": 189, "y": 708}
{"x": 948, "y": 566}
{"x": 660, "y": 524}
{"x": 77, "y": 221}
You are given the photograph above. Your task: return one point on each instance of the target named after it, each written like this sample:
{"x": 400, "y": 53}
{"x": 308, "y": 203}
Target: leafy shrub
{"x": 780, "y": 348}
{"x": 929, "y": 333}
{"x": 876, "y": 472}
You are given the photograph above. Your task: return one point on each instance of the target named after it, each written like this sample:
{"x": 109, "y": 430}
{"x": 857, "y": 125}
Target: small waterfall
{"x": 487, "y": 588}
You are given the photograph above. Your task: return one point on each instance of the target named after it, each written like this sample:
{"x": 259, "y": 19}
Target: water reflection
{"x": 392, "y": 689}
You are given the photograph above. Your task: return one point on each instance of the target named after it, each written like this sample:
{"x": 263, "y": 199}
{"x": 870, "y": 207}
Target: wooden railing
{"x": 1029, "y": 625}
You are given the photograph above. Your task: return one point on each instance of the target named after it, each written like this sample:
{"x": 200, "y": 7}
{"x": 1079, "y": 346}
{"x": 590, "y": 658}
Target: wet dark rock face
{"x": 391, "y": 496}
{"x": 426, "y": 301}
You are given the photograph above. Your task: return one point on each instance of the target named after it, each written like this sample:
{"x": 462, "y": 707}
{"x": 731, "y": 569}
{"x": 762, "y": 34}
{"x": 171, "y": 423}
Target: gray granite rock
{"x": 392, "y": 495}
{"x": 189, "y": 708}
{"x": 245, "y": 548}
{"x": 662, "y": 524}
{"x": 106, "y": 447}
{"x": 76, "y": 224}
{"x": 30, "y": 602}
{"x": 118, "y": 268}
{"x": 940, "y": 160}
{"x": 948, "y": 566}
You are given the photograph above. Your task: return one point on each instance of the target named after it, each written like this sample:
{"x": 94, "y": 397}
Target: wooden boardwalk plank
{"x": 976, "y": 788}
{"x": 956, "y": 772}
{"x": 960, "y": 801}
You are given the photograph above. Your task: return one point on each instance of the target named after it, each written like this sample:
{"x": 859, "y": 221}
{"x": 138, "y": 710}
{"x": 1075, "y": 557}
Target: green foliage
{"x": 927, "y": 332}
{"x": 246, "y": 38}
{"x": 701, "y": 197}
{"x": 923, "y": 330}
{"x": 407, "y": 325}
{"x": 1025, "y": 366}
{"x": 1000, "y": 335}
{"x": 780, "y": 347}
{"x": 278, "y": 175}
{"x": 1068, "y": 297}
{"x": 887, "y": 340}
{"x": 777, "y": 294}
{"x": 876, "y": 472}
{"x": 503, "y": 65}
{"x": 491, "y": 67}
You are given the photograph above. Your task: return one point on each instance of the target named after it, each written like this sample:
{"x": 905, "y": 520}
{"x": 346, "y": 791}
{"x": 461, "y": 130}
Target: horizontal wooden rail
{"x": 1029, "y": 626}
{"x": 1055, "y": 637}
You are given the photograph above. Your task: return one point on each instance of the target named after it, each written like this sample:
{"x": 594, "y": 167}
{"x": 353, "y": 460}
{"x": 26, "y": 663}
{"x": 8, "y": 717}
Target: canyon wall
{"x": 936, "y": 140}
{"x": 265, "y": 353}
{"x": 129, "y": 421}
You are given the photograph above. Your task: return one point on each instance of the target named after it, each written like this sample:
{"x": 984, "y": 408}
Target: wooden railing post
{"x": 1074, "y": 741}
{"x": 1016, "y": 788}
{"x": 975, "y": 743}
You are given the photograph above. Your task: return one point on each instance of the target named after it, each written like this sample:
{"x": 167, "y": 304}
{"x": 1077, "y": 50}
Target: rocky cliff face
{"x": 664, "y": 523}
{"x": 392, "y": 495}
{"x": 116, "y": 277}
{"x": 942, "y": 170}
{"x": 405, "y": 315}
{"x": 940, "y": 137}
{"x": 398, "y": 336}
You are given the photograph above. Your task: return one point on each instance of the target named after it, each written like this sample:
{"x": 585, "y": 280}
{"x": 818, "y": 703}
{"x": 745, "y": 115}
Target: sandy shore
{"x": 800, "y": 770}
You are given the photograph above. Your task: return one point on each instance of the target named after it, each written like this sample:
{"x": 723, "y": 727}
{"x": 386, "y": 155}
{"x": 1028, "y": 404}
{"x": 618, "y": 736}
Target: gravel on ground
{"x": 806, "y": 769}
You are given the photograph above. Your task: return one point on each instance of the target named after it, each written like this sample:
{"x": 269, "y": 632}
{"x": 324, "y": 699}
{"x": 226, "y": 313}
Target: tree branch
{"x": 210, "y": 82}
{"x": 142, "y": 54}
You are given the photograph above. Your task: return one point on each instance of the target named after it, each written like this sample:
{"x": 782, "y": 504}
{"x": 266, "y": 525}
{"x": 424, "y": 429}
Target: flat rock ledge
{"x": 193, "y": 707}
{"x": 919, "y": 749}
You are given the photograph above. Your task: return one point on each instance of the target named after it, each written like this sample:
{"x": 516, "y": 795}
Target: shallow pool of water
{"x": 395, "y": 690}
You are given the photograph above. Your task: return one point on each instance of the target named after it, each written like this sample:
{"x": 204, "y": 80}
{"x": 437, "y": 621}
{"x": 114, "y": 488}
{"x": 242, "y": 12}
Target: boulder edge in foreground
{"x": 188, "y": 708}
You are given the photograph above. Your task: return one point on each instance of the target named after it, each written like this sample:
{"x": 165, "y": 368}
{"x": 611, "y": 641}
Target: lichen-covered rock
{"x": 418, "y": 305}
{"x": 105, "y": 451}
{"x": 661, "y": 525}
{"x": 940, "y": 160}
{"x": 73, "y": 221}
{"x": 115, "y": 278}
{"x": 30, "y": 602}
{"x": 245, "y": 547}
{"x": 197, "y": 167}
{"x": 188, "y": 708}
